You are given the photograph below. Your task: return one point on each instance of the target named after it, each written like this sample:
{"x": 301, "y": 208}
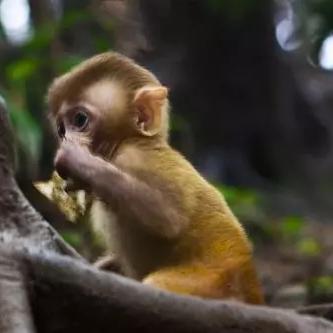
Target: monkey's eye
{"x": 61, "y": 129}
{"x": 80, "y": 120}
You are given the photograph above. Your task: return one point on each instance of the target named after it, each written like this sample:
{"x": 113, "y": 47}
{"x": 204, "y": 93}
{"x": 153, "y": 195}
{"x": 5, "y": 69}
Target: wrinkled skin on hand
{"x": 72, "y": 162}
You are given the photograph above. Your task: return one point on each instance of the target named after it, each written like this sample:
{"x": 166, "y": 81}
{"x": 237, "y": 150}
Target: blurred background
{"x": 251, "y": 87}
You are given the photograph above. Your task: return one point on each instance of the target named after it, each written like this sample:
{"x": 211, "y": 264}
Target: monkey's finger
{"x": 74, "y": 186}
{"x": 71, "y": 186}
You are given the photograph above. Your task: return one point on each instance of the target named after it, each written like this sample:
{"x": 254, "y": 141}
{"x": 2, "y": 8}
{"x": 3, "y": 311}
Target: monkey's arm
{"x": 148, "y": 205}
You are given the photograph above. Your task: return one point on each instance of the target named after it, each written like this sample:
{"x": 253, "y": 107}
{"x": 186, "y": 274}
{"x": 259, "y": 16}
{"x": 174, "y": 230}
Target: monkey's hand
{"x": 73, "y": 163}
{"x": 144, "y": 203}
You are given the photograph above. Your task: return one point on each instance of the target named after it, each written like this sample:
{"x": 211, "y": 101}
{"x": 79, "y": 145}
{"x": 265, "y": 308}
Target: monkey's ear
{"x": 149, "y": 102}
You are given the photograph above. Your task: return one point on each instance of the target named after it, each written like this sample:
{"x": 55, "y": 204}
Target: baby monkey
{"x": 167, "y": 226}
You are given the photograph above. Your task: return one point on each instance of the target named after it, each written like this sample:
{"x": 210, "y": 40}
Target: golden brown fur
{"x": 167, "y": 225}
{"x": 213, "y": 257}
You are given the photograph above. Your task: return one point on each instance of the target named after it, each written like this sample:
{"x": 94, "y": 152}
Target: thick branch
{"x": 69, "y": 296}
{"x": 320, "y": 310}
{"x": 15, "y": 312}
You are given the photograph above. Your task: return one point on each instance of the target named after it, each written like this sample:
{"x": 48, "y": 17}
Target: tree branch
{"x": 69, "y": 296}
{"x": 15, "y": 311}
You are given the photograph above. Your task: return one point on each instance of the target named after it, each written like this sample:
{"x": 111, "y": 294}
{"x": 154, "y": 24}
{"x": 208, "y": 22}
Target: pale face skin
{"x": 84, "y": 118}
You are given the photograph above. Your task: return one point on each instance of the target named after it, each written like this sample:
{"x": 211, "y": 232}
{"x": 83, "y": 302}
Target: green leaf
{"x": 22, "y": 69}
{"x": 73, "y": 238}
{"x": 291, "y": 226}
{"x": 322, "y": 285}
{"x": 74, "y": 17}
{"x": 244, "y": 203}
{"x": 66, "y": 63}
{"x": 27, "y": 131}
{"x": 238, "y": 195}
{"x": 308, "y": 247}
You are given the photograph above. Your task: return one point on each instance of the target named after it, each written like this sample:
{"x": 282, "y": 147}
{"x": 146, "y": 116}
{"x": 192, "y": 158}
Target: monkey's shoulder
{"x": 161, "y": 162}
{"x": 165, "y": 168}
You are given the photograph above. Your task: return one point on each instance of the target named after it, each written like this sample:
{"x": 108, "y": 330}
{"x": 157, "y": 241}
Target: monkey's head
{"x": 106, "y": 99}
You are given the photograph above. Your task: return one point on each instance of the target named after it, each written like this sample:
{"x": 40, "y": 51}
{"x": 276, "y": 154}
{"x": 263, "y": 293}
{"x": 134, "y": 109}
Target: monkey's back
{"x": 212, "y": 225}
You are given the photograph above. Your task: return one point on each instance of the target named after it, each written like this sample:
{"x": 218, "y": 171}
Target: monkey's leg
{"x": 237, "y": 282}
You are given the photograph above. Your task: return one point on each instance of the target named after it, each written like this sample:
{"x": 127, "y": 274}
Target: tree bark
{"x": 15, "y": 310}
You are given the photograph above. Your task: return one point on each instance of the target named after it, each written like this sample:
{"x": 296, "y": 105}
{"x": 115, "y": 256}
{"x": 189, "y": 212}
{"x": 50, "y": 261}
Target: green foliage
{"x": 66, "y": 63}
{"x": 323, "y": 284}
{"x": 177, "y": 122}
{"x": 247, "y": 205}
{"x": 244, "y": 202}
{"x": 47, "y": 32}
{"x": 73, "y": 238}
{"x": 308, "y": 247}
{"x": 27, "y": 131}
{"x": 291, "y": 227}
{"x": 22, "y": 70}
{"x": 74, "y": 17}
{"x": 291, "y": 231}
{"x": 28, "y": 70}
{"x": 101, "y": 44}
{"x": 286, "y": 232}
{"x": 321, "y": 288}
